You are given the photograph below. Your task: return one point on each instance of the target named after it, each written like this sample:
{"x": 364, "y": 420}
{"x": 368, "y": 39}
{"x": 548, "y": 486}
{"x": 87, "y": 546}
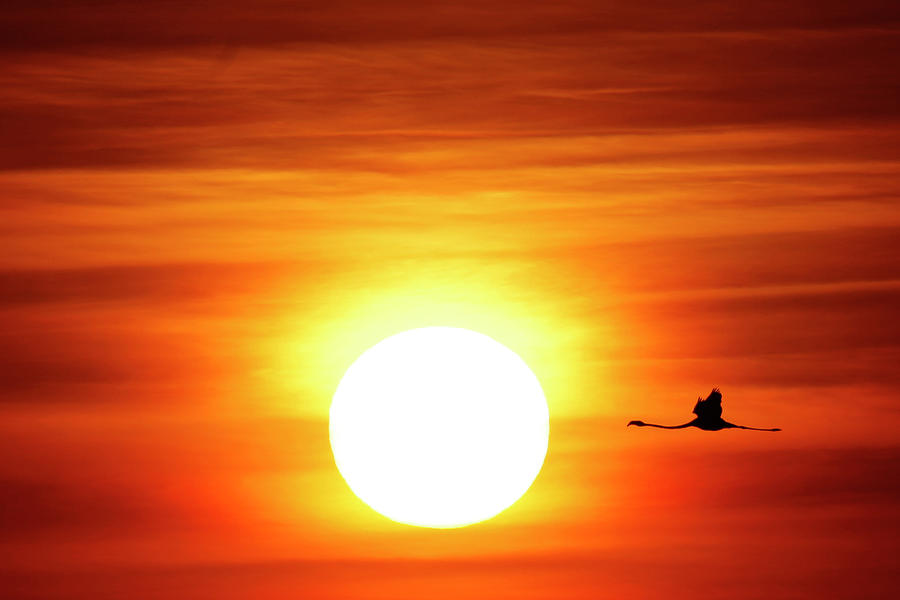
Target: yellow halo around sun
{"x": 439, "y": 427}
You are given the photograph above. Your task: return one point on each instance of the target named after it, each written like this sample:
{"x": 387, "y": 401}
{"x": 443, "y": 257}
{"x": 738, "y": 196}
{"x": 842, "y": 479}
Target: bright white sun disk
{"x": 439, "y": 427}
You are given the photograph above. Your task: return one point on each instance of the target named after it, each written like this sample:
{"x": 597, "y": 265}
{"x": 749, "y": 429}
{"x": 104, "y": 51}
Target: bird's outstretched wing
{"x": 711, "y": 408}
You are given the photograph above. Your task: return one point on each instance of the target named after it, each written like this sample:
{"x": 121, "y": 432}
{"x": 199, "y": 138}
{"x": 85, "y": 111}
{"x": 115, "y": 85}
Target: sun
{"x": 439, "y": 427}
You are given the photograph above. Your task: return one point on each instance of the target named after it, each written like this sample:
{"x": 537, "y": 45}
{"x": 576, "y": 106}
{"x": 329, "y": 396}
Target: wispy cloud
{"x": 208, "y": 211}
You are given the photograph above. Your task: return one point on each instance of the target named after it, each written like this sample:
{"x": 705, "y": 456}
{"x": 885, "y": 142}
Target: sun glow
{"x": 439, "y": 427}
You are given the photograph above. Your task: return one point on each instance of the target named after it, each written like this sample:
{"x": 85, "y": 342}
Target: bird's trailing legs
{"x": 754, "y": 428}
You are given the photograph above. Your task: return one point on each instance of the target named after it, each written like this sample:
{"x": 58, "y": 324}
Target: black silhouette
{"x": 709, "y": 416}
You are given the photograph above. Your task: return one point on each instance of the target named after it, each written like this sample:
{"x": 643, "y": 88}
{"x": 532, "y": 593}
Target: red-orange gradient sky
{"x": 208, "y": 210}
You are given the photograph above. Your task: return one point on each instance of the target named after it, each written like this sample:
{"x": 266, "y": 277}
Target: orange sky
{"x": 209, "y": 210}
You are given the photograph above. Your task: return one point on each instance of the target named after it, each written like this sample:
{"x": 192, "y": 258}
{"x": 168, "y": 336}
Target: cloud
{"x": 337, "y": 104}
{"x": 114, "y": 23}
{"x": 152, "y": 284}
{"x": 34, "y": 508}
{"x": 208, "y": 209}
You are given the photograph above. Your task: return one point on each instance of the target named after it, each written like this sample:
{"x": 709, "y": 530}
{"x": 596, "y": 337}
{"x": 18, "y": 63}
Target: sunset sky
{"x": 209, "y": 210}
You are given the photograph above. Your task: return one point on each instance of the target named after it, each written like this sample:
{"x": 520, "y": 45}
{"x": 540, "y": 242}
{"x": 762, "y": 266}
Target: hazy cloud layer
{"x": 208, "y": 211}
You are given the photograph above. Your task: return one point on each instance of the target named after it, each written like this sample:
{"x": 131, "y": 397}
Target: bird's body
{"x": 709, "y": 416}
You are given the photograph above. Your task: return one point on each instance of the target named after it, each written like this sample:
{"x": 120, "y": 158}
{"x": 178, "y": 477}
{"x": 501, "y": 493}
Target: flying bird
{"x": 709, "y": 416}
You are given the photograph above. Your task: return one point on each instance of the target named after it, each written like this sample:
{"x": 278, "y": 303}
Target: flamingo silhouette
{"x": 709, "y": 416}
